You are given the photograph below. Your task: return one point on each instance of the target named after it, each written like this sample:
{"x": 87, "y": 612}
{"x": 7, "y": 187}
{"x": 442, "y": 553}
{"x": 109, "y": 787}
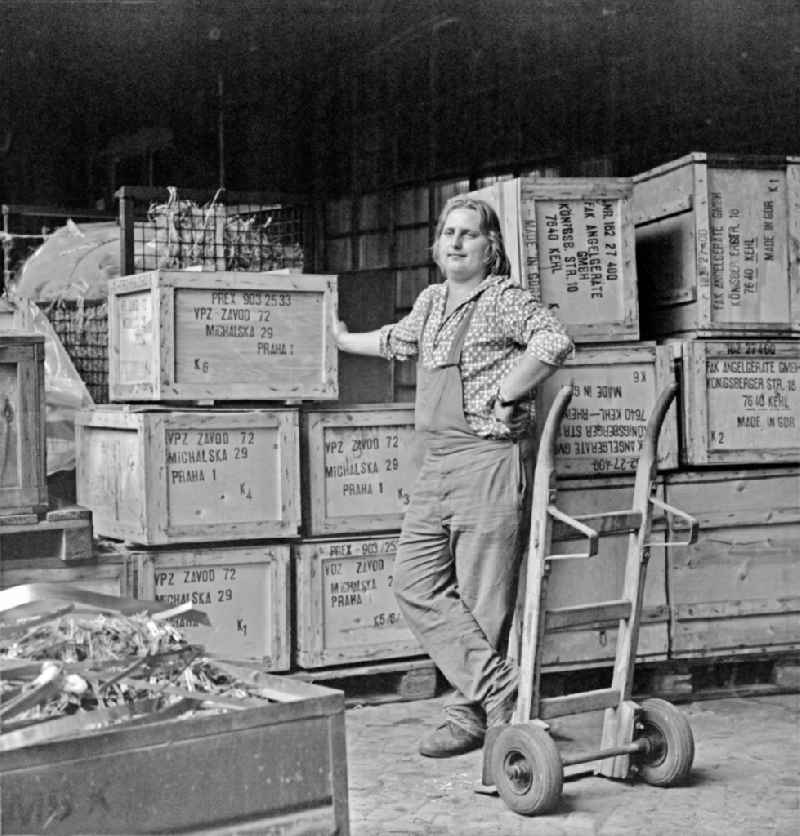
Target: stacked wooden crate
{"x": 716, "y": 247}
{"x": 196, "y": 466}
{"x": 360, "y": 463}
{"x": 571, "y": 241}
{"x": 201, "y": 502}
{"x": 36, "y": 544}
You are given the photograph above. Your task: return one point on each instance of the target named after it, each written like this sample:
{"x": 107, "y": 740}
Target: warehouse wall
{"x": 594, "y": 88}
{"x": 347, "y": 96}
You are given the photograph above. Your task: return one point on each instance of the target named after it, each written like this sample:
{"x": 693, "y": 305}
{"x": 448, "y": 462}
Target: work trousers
{"x": 457, "y": 565}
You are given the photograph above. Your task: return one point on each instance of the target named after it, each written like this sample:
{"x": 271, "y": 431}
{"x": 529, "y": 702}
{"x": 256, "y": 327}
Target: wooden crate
{"x": 189, "y": 336}
{"x": 106, "y": 574}
{"x": 600, "y": 578}
{"x": 82, "y": 327}
{"x": 736, "y": 591}
{"x": 359, "y": 466}
{"x": 155, "y": 476}
{"x": 23, "y": 454}
{"x": 614, "y": 391}
{"x": 244, "y": 590}
{"x": 715, "y": 238}
{"x": 9, "y": 315}
{"x": 740, "y": 401}
{"x": 346, "y": 609}
{"x": 571, "y": 242}
{"x": 276, "y": 769}
{"x": 64, "y": 533}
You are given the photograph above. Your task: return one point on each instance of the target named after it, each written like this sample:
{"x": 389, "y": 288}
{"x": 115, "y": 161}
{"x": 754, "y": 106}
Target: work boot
{"x": 450, "y": 739}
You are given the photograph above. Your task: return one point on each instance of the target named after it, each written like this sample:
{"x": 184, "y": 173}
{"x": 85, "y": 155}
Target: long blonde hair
{"x": 497, "y": 262}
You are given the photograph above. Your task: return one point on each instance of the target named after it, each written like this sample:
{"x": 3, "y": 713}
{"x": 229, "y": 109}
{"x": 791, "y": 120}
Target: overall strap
{"x": 457, "y": 346}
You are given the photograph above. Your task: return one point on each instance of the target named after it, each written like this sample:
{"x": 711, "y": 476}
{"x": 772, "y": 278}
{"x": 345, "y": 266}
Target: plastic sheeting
{"x": 65, "y": 392}
{"x": 74, "y": 262}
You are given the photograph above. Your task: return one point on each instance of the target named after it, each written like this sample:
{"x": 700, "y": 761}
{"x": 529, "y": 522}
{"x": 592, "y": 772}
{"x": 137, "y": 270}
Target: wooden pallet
{"x": 682, "y": 681}
{"x": 380, "y": 682}
{"x": 720, "y": 678}
{"x": 418, "y": 679}
{"x": 65, "y": 533}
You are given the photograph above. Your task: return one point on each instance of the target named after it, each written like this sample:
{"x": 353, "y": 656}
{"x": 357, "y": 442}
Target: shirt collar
{"x": 488, "y": 282}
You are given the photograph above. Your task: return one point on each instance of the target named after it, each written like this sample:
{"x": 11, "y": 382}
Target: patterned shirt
{"x": 507, "y": 323}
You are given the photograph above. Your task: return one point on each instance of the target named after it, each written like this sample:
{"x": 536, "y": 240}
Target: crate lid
{"x": 20, "y": 338}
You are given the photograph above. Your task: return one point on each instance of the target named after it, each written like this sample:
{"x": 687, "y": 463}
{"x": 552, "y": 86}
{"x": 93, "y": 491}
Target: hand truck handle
{"x": 670, "y": 510}
{"x": 590, "y": 534}
{"x": 546, "y": 457}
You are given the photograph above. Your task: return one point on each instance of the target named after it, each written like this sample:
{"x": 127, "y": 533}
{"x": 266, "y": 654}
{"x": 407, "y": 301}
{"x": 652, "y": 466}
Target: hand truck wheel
{"x": 526, "y": 769}
{"x": 668, "y": 759}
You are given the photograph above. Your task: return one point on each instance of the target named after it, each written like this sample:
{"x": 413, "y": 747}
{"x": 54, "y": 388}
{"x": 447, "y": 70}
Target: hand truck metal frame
{"x": 653, "y": 739}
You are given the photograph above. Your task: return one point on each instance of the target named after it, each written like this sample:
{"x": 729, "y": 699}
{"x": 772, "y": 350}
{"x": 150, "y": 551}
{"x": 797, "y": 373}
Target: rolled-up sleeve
{"x": 400, "y": 341}
{"x": 529, "y": 323}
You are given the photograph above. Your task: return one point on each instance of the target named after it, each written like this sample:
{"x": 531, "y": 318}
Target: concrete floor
{"x": 745, "y": 780}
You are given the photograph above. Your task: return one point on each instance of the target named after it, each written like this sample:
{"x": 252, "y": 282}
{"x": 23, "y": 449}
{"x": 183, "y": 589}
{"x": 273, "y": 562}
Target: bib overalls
{"x": 459, "y": 550}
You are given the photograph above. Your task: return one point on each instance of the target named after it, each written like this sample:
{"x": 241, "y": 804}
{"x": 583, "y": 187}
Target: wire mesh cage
{"x": 180, "y": 229}
{"x": 25, "y": 227}
{"x": 155, "y": 228}
{"x": 57, "y": 282}
{"x": 82, "y": 327}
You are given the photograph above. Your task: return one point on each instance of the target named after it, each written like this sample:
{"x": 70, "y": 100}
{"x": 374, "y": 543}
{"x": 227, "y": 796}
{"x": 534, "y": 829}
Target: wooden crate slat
{"x": 753, "y": 496}
{"x": 793, "y": 200}
{"x": 736, "y": 590}
{"x": 107, "y": 575}
{"x": 708, "y": 639}
{"x": 709, "y": 610}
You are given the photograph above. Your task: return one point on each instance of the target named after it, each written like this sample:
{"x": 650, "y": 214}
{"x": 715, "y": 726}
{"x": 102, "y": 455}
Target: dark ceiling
{"x": 99, "y": 93}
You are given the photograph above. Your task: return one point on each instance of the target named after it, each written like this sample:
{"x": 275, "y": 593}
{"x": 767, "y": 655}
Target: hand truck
{"x": 653, "y": 739}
